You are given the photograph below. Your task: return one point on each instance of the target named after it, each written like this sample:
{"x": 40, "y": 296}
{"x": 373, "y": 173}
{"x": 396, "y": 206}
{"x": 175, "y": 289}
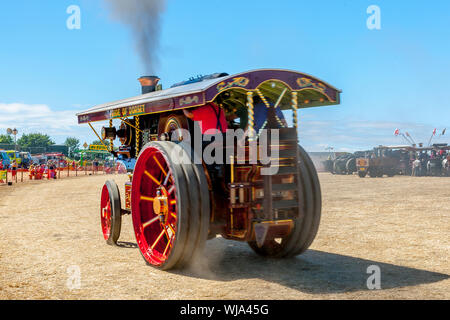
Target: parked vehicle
{"x": 4, "y": 157}
{"x": 57, "y": 158}
{"x": 344, "y": 164}
{"x": 25, "y": 159}
{"x": 39, "y": 159}
{"x": 15, "y": 156}
{"x": 362, "y": 166}
{"x": 384, "y": 160}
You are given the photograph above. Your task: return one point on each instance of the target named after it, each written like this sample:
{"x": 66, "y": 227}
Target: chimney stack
{"x": 148, "y": 83}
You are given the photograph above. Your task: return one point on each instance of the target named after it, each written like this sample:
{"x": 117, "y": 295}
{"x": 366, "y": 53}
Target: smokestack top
{"x": 149, "y": 80}
{"x": 148, "y": 83}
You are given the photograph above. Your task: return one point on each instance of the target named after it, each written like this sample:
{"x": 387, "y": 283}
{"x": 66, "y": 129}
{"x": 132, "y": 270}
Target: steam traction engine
{"x": 384, "y": 160}
{"x": 177, "y": 205}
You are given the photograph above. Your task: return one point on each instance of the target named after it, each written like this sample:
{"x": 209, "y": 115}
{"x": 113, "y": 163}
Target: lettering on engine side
{"x": 128, "y": 195}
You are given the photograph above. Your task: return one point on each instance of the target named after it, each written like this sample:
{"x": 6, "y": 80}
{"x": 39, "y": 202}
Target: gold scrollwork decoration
{"x": 236, "y": 82}
{"x": 84, "y": 118}
{"x": 309, "y": 83}
{"x": 186, "y": 101}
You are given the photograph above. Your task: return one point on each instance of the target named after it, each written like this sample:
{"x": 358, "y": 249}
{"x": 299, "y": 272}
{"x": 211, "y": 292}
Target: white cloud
{"x": 16, "y": 108}
{"x": 32, "y": 118}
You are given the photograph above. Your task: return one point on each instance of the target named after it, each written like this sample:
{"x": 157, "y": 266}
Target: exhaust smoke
{"x": 143, "y": 17}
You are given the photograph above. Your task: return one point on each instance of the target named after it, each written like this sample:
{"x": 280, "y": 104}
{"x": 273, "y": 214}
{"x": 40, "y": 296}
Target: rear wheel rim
{"x": 105, "y": 213}
{"x": 154, "y": 203}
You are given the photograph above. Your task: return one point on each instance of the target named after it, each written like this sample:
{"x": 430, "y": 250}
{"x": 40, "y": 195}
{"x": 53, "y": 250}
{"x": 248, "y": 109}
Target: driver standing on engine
{"x": 212, "y": 121}
{"x": 211, "y": 118}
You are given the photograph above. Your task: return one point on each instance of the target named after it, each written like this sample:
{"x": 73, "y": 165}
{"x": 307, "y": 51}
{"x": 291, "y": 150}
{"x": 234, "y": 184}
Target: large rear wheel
{"x": 170, "y": 206}
{"x": 307, "y": 225}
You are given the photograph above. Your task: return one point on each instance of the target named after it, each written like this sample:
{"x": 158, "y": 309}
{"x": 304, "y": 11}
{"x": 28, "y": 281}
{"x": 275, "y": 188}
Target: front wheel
{"x": 111, "y": 212}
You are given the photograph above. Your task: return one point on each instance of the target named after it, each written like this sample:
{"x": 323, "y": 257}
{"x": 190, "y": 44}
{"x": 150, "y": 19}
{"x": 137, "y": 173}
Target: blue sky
{"x": 396, "y": 77}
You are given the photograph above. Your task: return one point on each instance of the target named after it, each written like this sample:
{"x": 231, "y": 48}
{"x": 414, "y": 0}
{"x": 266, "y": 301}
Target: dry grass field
{"x": 402, "y": 224}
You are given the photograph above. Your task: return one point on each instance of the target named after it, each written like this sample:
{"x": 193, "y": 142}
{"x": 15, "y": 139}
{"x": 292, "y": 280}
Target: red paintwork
{"x": 128, "y": 195}
{"x": 105, "y": 213}
{"x": 159, "y": 235}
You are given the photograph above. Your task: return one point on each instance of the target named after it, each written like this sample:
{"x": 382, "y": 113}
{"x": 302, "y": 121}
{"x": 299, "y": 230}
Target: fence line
{"x": 11, "y": 177}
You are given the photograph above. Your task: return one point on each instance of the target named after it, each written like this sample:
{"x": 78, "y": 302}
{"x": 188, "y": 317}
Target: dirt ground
{"x": 50, "y": 233}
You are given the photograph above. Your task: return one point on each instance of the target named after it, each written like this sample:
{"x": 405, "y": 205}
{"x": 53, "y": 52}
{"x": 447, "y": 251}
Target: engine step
{"x": 284, "y": 187}
{"x": 285, "y": 204}
{"x": 288, "y": 153}
{"x": 286, "y": 170}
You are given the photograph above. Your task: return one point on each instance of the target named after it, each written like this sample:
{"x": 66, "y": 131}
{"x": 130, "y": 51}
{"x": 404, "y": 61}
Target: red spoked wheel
{"x": 170, "y": 213}
{"x": 110, "y": 212}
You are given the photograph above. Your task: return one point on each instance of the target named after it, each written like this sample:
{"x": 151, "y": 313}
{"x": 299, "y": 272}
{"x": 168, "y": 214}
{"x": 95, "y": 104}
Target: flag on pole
{"x": 396, "y": 132}
{"x": 431, "y": 138}
{"x": 443, "y": 131}
{"x": 407, "y": 134}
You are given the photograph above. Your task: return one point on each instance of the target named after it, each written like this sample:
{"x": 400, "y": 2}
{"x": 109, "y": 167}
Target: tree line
{"x": 39, "y": 140}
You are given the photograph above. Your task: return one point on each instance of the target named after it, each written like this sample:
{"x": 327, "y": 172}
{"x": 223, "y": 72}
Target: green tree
{"x": 5, "y": 139}
{"x": 34, "y": 140}
{"x": 73, "y": 144}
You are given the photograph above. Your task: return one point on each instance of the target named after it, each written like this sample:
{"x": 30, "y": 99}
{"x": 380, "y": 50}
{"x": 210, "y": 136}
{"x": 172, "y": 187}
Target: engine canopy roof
{"x": 312, "y": 92}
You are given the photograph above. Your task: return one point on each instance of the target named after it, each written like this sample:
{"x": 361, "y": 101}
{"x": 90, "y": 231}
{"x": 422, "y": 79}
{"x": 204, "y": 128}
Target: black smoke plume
{"x": 143, "y": 17}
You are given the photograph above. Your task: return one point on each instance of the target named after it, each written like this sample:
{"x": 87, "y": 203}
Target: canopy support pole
{"x": 295, "y": 109}
{"x": 123, "y": 119}
{"x": 263, "y": 98}
{"x": 111, "y": 141}
{"x": 138, "y": 135}
{"x": 280, "y": 98}
{"x": 101, "y": 140}
{"x": 251, "y": 116}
